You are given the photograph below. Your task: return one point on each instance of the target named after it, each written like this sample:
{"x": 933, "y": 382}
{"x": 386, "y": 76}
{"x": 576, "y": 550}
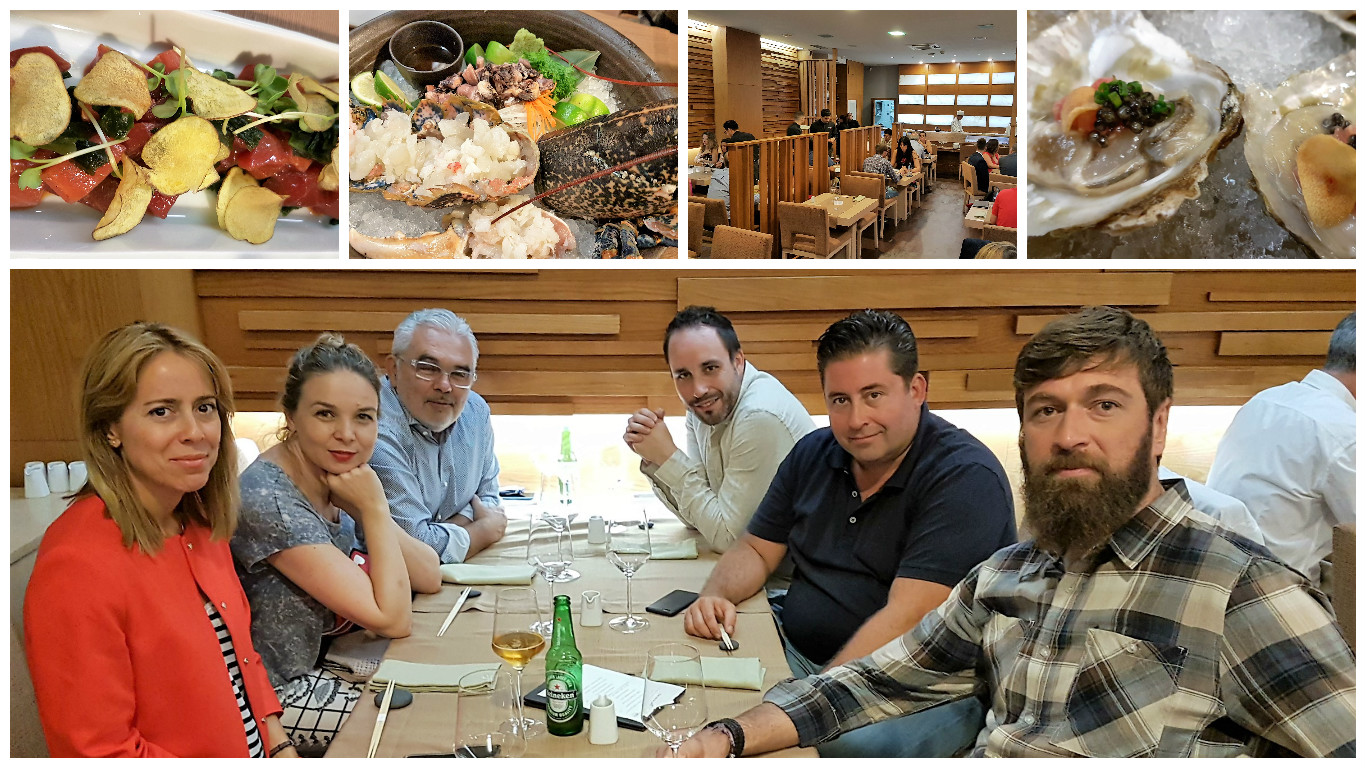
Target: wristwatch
{"x": 733, "y": 731}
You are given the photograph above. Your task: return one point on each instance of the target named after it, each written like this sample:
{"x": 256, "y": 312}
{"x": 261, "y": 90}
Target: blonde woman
{"x": 306, "y": 572}
{"x": 137, "y": 632}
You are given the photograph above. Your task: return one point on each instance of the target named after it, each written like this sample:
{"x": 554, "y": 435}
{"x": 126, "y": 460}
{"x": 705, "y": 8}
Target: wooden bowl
{"x": 562, "y": 31}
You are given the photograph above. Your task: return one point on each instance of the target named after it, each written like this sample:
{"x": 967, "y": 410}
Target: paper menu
{"x": 627, "y": 692}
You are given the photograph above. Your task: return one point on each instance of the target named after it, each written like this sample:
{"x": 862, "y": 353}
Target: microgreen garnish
{"x": 33, "y": 177}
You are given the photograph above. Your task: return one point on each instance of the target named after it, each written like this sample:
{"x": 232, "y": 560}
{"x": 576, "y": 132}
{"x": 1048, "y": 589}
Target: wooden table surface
{"x": 846, "y": 214}
{"x": 977, "y": 217}
{"x": 428, "y": 725}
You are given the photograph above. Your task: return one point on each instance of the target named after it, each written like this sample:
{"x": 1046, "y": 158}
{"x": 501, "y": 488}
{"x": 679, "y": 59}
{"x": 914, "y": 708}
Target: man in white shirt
{"x": 1290, "y": 455}
{"x": 957, "y": 126}
{"x": 741, "y": 424}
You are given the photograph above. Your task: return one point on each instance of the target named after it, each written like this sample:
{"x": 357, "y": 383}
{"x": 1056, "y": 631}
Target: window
{"x": 906, "y": 119}
{"x": 1002, "y": 101}
{"x": 974, "y": 121}
{"x": 941, "y": 101}
{"x": 912, "y": 98}
{"x": 943, "y": 79}
{"x": 911, "y": 80}
{"x": 1003, "y": 77}
{"x": 975, "y": 78}
{"x": 913, "y": 117}
{"x": 965, "y": 100}
{"x": 999, "y": 122}
{"x": 939, "y": 119}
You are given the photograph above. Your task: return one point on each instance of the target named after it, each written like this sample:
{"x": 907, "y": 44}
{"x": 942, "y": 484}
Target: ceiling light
{"x": 896, "y": 33}
{"x": 990, "y": 60}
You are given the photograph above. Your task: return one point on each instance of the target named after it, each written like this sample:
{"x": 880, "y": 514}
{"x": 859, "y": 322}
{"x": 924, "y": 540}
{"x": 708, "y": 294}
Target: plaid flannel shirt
{"x": 1178, "y": 639}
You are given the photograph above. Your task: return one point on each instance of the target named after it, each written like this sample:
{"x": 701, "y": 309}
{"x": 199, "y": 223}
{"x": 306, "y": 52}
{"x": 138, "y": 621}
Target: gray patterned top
{"x": 287, "y": 625}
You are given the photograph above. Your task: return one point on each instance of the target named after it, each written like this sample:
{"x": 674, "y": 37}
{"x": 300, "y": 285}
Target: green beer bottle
{"x": 563, "y": 675}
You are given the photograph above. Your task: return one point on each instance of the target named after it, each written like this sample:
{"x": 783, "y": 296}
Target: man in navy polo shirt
{"x": 882, "y": 514}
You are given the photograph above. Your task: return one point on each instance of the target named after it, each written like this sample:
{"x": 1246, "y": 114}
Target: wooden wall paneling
{"x": 956, "y": 89}
{"x": 737, "y": 78}
{"x": 1278, "y": 343}
{"x": 781, "y": 87}
{"x": 385, "y": 322}
{"x": 1176, "y": 322}
{"x": 428, "y": 288}
{"x": 701, "y": 88}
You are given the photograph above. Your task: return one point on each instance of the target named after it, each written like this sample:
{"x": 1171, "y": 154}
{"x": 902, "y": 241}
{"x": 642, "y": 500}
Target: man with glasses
{"x": 435, "y": 449}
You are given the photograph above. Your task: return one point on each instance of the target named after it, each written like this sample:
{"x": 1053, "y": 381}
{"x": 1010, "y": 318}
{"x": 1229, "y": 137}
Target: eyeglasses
{"x": 426, "y": 371}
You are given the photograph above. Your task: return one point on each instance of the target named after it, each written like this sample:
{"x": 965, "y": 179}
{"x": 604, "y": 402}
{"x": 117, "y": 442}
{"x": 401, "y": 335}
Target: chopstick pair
{"x": 379, "y": 721}
{"x": 450, "y": 617}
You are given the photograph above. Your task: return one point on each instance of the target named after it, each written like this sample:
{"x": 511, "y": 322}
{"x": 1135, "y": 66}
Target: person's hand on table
{"x": 707, "y": 615}
{"x": 647, "y": 435}
{"x": 705, "y": 743}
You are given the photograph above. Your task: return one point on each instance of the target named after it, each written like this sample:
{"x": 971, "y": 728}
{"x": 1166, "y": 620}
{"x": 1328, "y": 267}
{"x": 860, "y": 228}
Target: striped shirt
{"x": 430, "y": 477}
{"x": 1177, "y": 639}
{"x": 253, "y": 734}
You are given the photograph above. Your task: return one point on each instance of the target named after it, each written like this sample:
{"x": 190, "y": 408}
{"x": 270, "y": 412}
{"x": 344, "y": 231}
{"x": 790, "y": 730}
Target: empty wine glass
{"x": 676, "y": 719}
{"x": 515, "y": 610}
{"x": 558, "y": 519}
{"x": 545, "y": 552}
{"x": 486, "y": 716}
{"x": 628, "y": 548}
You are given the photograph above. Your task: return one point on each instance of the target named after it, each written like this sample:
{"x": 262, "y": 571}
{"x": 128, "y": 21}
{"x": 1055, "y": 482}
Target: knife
{"x": 379, "y": 721}
{"x": 451, "y": 616}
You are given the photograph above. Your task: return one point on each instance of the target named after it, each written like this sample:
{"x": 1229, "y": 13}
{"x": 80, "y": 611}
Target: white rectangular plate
{"x": 58, "y": 229}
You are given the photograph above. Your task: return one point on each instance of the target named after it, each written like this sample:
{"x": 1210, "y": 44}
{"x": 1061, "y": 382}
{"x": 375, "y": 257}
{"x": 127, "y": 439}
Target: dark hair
{"x": 825, "y": 113}
{"x": 865, "y": 331}
{"x": 981, "y": 143}
{"x": 993, "y": 145}
{"x": 905, "y": 141}
{"x": 329, "y": 353}
{"x": 699, "y": 317}
{"x": 730, "y": 125}
{"x": 1342, "y": 347}
{"x": 1095, "y": 335}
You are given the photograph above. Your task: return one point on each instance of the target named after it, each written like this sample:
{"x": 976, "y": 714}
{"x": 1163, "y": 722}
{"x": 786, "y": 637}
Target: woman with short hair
{"x": 137, "y": 632}
{"x": 308, "y": 576}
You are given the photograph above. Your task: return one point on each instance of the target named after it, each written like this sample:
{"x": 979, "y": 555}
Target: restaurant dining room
{"x": 565, "y": 372}
{"x": 868, "y": 134}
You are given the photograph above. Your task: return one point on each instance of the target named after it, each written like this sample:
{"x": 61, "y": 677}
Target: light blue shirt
{"x": 430, "y": 477}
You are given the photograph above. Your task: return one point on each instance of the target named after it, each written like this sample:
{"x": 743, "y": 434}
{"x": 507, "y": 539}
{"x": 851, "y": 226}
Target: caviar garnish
{"x": 1126, "y": 105}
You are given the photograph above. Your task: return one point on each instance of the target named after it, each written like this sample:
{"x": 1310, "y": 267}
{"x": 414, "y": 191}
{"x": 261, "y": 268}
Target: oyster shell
{"x": 1281, "y": 120}
{"x": 1137, "y": 179}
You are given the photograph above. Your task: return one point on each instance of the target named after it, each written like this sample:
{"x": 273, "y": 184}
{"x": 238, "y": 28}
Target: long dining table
{"x": 427, "y": 726}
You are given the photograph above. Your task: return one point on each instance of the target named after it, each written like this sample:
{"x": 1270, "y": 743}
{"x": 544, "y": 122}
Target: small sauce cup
{"x": 427, "y": 52}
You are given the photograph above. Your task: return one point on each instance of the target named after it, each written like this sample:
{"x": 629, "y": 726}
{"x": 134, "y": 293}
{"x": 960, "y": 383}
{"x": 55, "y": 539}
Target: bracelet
{"x": 281, "y": 747}
{"x": 733, "y": 731}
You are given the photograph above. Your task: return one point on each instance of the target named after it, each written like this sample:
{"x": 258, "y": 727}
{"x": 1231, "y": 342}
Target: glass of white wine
{"x": 545, "y": 553}
{"x": 679, "y": 718}
{"x": 486, "y": 717}
{"x": 515, "y": 610}
{"x": 628, "y": 548}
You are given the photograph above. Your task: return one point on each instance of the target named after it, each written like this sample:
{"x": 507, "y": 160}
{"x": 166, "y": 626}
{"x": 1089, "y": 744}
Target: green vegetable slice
{"x": 473, "y": 54}
{"x": 363, "y": 90}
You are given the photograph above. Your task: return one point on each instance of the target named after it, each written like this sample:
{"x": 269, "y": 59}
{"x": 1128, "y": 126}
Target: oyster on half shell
{"x": 1136, "y": 179}
{"x": 1280, "y": 121}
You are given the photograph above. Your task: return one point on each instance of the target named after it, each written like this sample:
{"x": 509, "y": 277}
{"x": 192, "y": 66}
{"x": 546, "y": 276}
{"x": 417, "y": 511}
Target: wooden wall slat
{"x": 1275, "y": 343}
{"x": 385, "y": 322}
{"x": 1177, "y": 322}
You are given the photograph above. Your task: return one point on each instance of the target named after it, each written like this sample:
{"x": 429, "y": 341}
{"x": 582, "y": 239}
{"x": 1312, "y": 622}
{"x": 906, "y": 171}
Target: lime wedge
{"x": 363, "y": 90}
{"x": 570, "y": 114}
{"x": 386, "y": 87}
{"x": 590, "y": 104}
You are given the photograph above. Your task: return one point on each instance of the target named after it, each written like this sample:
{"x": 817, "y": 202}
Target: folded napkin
{"x": 355, "y": 655}
{"x": 684, "y": 550}
{"x": 443, "y": 678}
{"x": 465, "y": 573}
{"x": 717, "y": 671}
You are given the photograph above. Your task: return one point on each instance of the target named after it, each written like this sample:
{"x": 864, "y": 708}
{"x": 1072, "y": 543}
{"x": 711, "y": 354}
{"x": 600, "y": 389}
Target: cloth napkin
{"x": 356, "y": 655}
{"x": 468, "y": 574}
{"x": 683, "y": 550}
{"x": 717, "y": 671}
{"x": 444, "y": 678}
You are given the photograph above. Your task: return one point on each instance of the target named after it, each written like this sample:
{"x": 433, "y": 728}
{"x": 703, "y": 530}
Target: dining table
{"x": 948, "y": 158}
{"x": 427, "y": 726}
{"x": 845, "y": 211}
{"x": 976, "y": 218}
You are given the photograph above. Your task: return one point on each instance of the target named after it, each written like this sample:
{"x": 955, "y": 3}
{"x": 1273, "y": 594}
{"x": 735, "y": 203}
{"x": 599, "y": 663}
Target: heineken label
{"x": 561, "y": 696}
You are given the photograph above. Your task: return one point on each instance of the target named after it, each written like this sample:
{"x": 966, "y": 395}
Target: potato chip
{"x": 210, "y": 179}
{"x": 251, "y": 214}
{"x": 1328, "y": 175}
{"x": 309, "y": 85}
{"x": 181, "y": 155}
{"x": 323, "y": 115}
{"x": 224, "y": 152}
{"x": 327, "y": 179}
{"x": 214, "y": 99}
{"x": 115, "y": 81}
{"x": 129, "y": 204}
{"x": 39, "y": 109}
{"x": 236, "y": 181}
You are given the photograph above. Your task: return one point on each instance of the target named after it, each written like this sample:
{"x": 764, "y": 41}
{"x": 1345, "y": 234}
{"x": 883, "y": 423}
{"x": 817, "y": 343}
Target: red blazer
{"x": 124, "y": 660}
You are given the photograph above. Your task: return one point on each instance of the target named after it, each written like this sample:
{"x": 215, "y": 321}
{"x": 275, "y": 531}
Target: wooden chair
{"x": 697, "y": 215}
{"x": 970, "y": 190}
{"x": 996, "y": 234}
{"x": 873, "y": 188}
{"x": 735, "y": 243}
{"x": 715, "y": 213}
{"x": 1001, "y": 178}
{"x": 884, "y": 204}
{"x": 805, "y": 231}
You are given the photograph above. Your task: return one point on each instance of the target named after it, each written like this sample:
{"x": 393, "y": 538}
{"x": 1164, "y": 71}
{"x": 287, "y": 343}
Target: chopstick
{"x": 451, "y": 616}
{"x": 379, "y": 721}
{"x": 728, "y": 644}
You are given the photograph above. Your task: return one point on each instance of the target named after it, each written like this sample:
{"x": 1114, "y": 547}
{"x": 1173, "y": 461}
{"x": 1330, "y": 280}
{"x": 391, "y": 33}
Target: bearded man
{"x": 1130, "y": 625}
{"x": 741, "y": 424}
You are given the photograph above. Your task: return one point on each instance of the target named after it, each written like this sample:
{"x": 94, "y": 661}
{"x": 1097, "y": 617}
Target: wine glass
{"x": 677, "y": 719}
{"x": 628, "y": 547}
{"x": 514, "y": 612}
{"x": 486, "y": 718}
{"x": 558, "y": 518}
{"x": 545, "y": 553}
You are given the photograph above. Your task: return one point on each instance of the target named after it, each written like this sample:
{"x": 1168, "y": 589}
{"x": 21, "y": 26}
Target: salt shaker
{"x": 591, "y": 615}
{"x": 56, "y": 477}
{"x": 602, "y": 722}
{"x": 597, "y": 530}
